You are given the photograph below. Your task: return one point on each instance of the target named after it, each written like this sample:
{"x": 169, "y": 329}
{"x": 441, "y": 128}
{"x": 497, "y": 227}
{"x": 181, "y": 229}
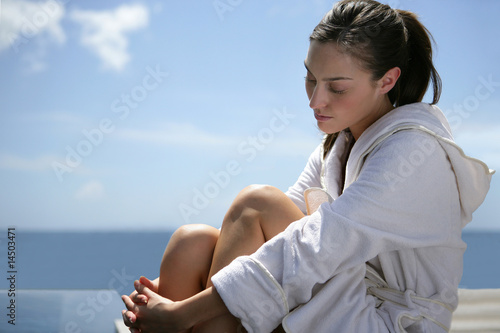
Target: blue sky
{"x": 153, "y": 114}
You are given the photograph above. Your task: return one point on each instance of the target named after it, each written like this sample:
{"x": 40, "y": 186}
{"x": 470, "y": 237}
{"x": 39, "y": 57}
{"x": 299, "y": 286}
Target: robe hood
{"x": 472, "y": 175}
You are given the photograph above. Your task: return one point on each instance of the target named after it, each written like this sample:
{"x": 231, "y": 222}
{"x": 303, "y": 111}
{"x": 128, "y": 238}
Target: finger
{"x": 140, "y": 299}
{"x": 142, "y": 289}
{"x": 131, "y": 306}
{"x": 129, "y": 318}
{"x": 147, "y": 282}
{"x": 125, "y": 318}
{"x": 151, "y": 284}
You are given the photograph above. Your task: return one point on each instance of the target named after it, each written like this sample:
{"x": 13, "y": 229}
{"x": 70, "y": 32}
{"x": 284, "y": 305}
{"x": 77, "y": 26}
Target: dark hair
{"x": 382, "y": 38}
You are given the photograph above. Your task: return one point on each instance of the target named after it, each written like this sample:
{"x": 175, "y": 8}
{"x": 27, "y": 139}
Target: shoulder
{"x": 408, "y": 153}
{"x": 411, "y": 147}
{"x": 409, "y": 141}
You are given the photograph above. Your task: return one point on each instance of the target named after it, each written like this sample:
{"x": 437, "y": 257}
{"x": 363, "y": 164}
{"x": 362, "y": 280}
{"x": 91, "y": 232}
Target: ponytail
{"x": 382, "y": 38}
{"x": 420, "y": 70}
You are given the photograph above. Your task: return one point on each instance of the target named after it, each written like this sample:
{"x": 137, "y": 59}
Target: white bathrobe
{"x": 385, "y": 255}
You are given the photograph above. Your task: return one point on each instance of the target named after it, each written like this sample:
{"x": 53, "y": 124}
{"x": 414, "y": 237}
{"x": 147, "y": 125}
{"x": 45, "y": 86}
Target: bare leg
{"x": 186, "y": 262}
{"x": 257, "y": 214}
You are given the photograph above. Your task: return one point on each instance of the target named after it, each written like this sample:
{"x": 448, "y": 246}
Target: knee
{"x": 258, "y": 197}
{"x": 194, "y": 238}
{"x": 251, "y": 202}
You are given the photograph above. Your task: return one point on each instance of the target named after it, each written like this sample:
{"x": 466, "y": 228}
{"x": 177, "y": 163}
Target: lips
{"x": 321, "y": 118}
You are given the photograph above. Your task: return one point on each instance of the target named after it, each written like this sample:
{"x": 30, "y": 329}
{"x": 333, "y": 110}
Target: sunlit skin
{"x": 343, "y": 94}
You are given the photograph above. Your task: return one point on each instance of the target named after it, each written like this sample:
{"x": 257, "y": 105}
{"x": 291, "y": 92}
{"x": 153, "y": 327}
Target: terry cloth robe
{"x": 386, "y": 254}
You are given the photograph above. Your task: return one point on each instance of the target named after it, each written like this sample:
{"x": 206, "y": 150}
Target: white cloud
{"x": 104, "y": 32}
{"x": 24, "y": 164}
{"x": 23, "y": 21}
{"x": 176, "y": 134}
{"x": 288, "y": 143}
{"x": 44, "y": 163}
{"x": 34, "y": 59}
{"x": 92, "y": 190}
{"x": 295, "y": 143}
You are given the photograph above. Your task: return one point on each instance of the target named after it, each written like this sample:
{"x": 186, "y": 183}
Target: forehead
{"x": 325, "y": 59}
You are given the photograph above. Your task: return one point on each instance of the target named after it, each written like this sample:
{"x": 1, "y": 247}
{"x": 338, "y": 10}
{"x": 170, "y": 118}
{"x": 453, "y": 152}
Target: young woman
{"x": 369, "y": 237}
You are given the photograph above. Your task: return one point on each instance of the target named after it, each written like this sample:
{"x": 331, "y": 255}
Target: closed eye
{"x": 338, "y": 92}
{"x": 309, "y": 80}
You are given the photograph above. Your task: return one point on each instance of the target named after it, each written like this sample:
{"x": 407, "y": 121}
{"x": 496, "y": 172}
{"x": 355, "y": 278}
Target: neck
{"x": 378, "y": 112}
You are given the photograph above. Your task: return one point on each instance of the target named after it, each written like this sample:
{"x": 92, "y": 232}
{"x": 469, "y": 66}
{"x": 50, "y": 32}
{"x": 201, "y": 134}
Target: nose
{"x": 318, "y": 98}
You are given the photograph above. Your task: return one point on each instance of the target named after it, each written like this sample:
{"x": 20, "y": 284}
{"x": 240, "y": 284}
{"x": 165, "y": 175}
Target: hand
{"x": 142, "y": 299}
{"x": 156, "y": 314}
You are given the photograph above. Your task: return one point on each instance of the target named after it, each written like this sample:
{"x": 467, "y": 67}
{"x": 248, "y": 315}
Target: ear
{"x": 388, "y": 81}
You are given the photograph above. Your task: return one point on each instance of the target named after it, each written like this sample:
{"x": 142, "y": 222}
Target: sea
{"x": 113, "y": 260}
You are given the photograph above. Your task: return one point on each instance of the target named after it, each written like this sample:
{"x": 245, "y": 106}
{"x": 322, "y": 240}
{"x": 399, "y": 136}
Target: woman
{"x": 369, "y": 237}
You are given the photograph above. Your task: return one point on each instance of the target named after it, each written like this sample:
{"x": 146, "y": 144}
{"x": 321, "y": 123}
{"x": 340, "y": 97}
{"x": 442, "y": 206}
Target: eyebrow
{"x": 337, "y": 78}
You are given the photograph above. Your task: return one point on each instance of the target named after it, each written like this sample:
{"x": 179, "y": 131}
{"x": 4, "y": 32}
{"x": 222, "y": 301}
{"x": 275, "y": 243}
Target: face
{"x": 340, "y": 92}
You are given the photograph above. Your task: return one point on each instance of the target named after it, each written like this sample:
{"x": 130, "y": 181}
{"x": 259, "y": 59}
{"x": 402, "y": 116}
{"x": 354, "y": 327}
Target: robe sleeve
{"x": 399, "y": 201}
{"x": 310, "y": 177}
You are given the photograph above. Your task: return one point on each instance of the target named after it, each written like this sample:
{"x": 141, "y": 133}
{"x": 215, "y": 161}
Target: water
{"x": 88, "y": 260}
{"x": 52, "y": 260}
{"x": 481, "y": 260}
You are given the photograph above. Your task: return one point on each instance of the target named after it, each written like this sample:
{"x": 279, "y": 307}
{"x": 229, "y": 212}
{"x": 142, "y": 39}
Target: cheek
{"x": 348, "y": 104}
{"x": 356, "y": 102}
{"x": 309, "y": 91}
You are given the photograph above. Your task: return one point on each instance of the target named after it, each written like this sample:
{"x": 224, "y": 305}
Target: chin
{"x": 328, "y": 129}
